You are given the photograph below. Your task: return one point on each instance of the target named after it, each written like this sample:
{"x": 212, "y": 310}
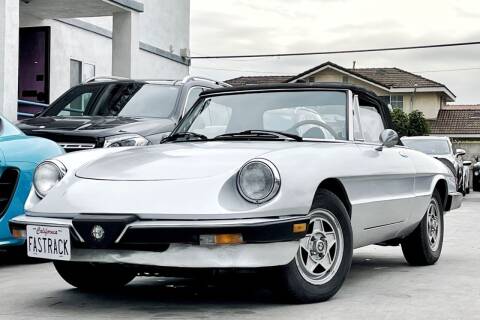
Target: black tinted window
{"x": 151, "y": 101}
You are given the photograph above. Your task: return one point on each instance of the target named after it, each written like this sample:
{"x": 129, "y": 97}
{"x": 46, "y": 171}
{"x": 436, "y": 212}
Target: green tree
{"x": 400, "y": 122}
{"x": 417, "y": 124}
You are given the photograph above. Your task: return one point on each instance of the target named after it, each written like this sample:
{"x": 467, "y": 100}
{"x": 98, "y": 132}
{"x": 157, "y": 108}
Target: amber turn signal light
{"x": 218, "y": 239}
{"x": 299, "y": 227}
{"x": 19, "y": 233}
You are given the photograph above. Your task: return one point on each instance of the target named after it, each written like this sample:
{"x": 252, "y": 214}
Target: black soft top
{"x": 364, "y": 94}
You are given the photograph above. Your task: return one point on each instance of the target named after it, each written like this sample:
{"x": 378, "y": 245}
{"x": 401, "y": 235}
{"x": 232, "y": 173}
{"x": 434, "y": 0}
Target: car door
{"x": 384, "y": 188}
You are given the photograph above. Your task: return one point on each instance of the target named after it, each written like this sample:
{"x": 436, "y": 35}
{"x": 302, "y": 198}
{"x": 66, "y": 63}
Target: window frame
{"x": 392, "y": 101}
{"x": 346, "y": 91}
{"x": 184, "y": 107}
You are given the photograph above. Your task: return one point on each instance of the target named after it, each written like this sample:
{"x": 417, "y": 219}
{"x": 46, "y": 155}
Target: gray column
{"x": 125, "y": 44}
{"x": 9, "y": 29}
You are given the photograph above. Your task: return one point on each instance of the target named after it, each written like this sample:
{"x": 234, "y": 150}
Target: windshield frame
{"x": 347, "y": 92}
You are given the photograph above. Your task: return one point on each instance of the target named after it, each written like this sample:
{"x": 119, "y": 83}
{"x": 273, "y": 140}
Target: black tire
{"x": 94, "y": 277}
{"x": 416, "y": 246}
{"x": 293, "y": 284}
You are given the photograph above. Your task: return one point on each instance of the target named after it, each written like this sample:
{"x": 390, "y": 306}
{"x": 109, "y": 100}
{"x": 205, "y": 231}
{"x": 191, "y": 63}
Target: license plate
{"x": 51, "y": 243}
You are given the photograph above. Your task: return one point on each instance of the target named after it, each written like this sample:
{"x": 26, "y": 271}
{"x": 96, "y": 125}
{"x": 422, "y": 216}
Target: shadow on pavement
{"x": 16, "y": 256}
{"x": 242, "y": 294}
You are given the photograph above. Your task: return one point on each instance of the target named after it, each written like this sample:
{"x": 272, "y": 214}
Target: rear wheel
{"x": 324, "y": 256}
{"x": 424, "y": 245}
{"x": 94, "y": 277}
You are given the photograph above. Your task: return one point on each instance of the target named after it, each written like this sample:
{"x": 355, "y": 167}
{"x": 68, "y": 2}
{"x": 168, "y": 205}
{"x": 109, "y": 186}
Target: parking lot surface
{"x": 380, "y": 286}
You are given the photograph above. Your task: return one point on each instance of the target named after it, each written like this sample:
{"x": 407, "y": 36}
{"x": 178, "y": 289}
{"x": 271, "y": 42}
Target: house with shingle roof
{"x": 400, "y": 88}
{"x": 462, "y": 124}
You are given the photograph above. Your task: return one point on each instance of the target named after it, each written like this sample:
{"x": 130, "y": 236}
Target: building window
{"x": 311, "y": 79}
{"x": 396, "y": 102}
{"x": 345, "y": 79}
{"x": 80, "y": 72}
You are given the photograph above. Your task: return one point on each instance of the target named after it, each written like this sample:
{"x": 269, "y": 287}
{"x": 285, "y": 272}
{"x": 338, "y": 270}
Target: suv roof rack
{"x": 183, "y": 81}
{"x": 104, "y": 78}
{"x": 192, "y": 78}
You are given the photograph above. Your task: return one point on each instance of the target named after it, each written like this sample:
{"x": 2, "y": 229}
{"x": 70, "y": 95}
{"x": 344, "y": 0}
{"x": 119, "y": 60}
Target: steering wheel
{"x": 315, "y": 123}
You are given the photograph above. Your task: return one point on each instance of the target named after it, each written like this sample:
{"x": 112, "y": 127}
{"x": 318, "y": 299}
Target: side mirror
{"x": 459, "y": 152}
{"x": 388, "y": 138}
{"x": 467, "y": 163}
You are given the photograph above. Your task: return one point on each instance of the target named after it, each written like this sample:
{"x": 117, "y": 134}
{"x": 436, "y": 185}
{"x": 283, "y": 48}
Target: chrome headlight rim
{"x": 274, "y": 188}
{"x": 61, "y": 169}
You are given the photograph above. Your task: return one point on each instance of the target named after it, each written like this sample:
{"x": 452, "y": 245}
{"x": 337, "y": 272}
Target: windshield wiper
{"x": 259, "y": 135}
{"x": 185, "y": 136}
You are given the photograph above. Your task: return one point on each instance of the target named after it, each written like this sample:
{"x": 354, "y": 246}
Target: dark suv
{"x": 114, "y": 112}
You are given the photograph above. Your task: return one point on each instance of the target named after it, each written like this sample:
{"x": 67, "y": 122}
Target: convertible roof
{"x": 286, "y": 86}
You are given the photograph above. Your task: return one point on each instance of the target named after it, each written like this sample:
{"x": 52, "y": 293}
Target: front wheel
{"x": 94, "y": 277}
{"x": 324, "y": 256}
{"x": 424, "y": 245}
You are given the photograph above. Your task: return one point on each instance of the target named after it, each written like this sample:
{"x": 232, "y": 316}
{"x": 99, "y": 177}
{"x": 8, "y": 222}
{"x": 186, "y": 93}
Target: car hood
{"x": 94, "y": 125}
{"x": 177, "y": 161}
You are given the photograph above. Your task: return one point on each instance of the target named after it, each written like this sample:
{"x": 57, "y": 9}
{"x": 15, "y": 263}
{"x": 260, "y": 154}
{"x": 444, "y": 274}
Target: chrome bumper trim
{"x": 57, "y": 222}
{"x": 48, "y": 222}
{"x": 203, "y": 223}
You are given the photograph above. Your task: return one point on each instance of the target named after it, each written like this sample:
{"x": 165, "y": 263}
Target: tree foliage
{"x": 400, "y": 122}
{"x": 413, "y": 124}
{"x": 417, "y": 123}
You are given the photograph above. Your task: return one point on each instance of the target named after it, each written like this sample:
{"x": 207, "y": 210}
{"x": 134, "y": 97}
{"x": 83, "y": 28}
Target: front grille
{"x": 8, "y": 184}
{"x": 74, "y": 146}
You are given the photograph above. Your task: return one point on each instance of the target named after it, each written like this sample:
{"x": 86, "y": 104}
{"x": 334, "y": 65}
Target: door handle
{"x": 403, "y": 154}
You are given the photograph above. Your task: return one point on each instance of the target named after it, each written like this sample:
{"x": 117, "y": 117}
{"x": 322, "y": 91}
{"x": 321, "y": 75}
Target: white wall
{"x": 164, "y": 24}
{"x": 69, "y": 42}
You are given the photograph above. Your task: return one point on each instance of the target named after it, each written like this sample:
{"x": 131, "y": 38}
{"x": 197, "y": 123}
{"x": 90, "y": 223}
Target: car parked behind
{"x": 19, "y": 155}
{"x": 115, "y": 112}
{"x": 441, "y": 149}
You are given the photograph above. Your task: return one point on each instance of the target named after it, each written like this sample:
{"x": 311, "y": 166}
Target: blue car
{"x": 19, "y": 156}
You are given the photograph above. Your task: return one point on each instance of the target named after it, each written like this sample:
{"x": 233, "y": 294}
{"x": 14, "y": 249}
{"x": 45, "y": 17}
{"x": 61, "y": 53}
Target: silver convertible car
{"x": 287, "y": 178}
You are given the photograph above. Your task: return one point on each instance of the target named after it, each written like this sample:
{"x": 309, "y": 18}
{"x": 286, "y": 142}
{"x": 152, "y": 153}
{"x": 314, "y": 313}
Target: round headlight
{"x": 258, "y": 181}
{"x": 47, "y": 175}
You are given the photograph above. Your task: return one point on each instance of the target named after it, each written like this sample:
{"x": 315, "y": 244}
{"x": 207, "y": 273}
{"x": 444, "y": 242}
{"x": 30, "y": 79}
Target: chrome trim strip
{"x": 48, "y": 222}
{"x": 76, "y": 146}
{"x": 205, "y": 223}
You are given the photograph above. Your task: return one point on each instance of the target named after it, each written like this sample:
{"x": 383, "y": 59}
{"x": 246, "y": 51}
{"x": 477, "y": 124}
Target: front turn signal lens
{"x": 19, "y": 233}
{"x": 299, "y": 227}
{"x": 220, "y": 239}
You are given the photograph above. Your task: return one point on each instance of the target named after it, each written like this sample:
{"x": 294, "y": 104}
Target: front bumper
{"x": 454, "y": 201}
{"x": 266, "y": 242}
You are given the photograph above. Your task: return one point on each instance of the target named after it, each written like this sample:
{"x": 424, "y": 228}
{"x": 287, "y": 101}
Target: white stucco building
{"x": 47, "y": 46}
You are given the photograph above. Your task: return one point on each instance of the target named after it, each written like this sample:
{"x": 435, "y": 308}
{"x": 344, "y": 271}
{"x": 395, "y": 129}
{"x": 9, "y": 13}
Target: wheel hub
{"x": 318, "y": 245}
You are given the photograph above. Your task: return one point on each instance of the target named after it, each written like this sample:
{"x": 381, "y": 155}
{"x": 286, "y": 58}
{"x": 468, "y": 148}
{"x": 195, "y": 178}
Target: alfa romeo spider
{"x": 290, "y": 178}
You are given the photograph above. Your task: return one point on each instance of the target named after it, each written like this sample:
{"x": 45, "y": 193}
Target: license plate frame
{"x": 48, "y": 242}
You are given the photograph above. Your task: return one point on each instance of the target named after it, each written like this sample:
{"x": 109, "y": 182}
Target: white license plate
{"x": 51, "y": 243}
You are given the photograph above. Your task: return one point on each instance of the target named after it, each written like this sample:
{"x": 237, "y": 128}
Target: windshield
{"x": 308, "y": 114}
{"x": 123, "y": 99}
{"x": 428, "y": 146}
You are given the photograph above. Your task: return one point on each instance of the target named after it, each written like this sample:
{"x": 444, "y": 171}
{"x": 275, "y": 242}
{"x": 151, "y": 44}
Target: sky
{"x": 225, "y": 27}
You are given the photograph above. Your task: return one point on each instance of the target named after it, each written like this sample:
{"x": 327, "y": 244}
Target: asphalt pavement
{"x": 380, "y": 286}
